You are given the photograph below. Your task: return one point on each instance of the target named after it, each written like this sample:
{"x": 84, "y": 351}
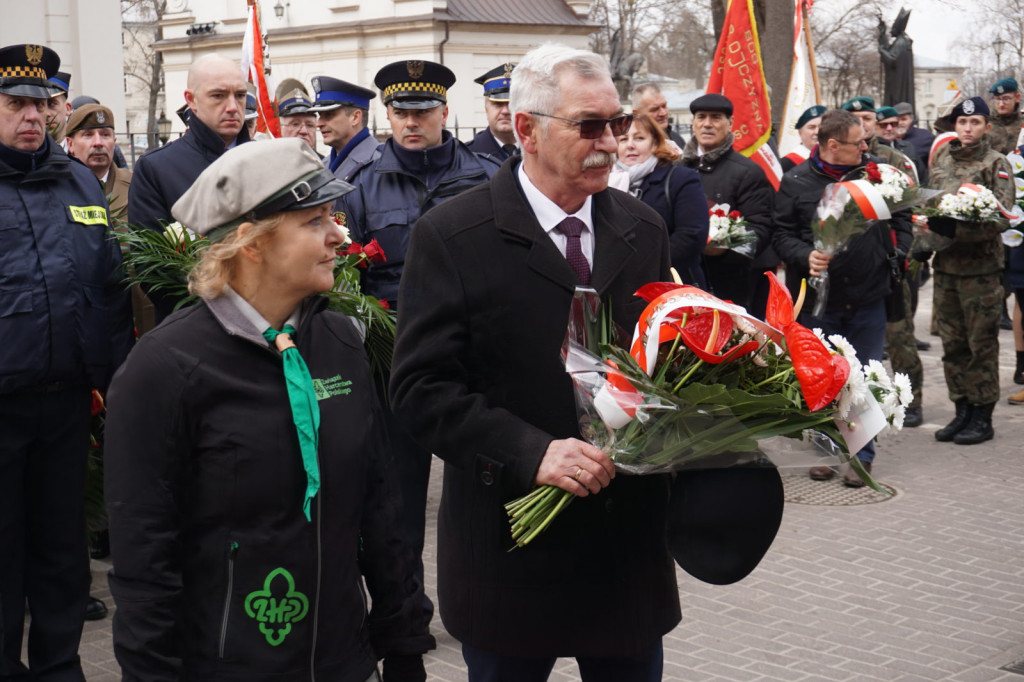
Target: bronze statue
{"x": 897, "y": 60}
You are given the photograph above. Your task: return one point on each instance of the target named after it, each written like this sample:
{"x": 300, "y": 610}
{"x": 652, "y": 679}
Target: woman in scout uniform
{"x": 247, "y": 479}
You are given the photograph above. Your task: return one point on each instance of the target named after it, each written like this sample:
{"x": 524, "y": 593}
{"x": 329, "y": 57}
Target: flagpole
{"x": 810, "y": 50}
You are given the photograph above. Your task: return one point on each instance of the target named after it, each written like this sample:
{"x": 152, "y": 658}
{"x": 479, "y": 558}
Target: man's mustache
{"x": 598, "y": 160}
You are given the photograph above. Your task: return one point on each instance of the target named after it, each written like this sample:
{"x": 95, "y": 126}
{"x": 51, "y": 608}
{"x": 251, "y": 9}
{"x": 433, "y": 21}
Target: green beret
{"x": 1004, "y": 86}
{"x": 886, "y": 112}
{"x": 859, "y": 104}
{"x": 812, "y": 112}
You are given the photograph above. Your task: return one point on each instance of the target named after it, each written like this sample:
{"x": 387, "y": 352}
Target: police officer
{"x": 864, "y": 109}
{"x": 968, "y": 282}
{"x": 1006, "y": 121}
{"x": 343, "y": 108}
{"x": 215, "y": 96}
{"x": 497, "y": 140}
{"x": 293, "y": 108}
{"x": 65, "y": 327}
{"x": 807, "y": 128}
{"x": 58, "y": 108}
{"x": 419, "y": 167}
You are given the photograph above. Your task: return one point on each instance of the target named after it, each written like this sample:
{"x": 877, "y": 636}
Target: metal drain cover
{"x": 800, "y": 489}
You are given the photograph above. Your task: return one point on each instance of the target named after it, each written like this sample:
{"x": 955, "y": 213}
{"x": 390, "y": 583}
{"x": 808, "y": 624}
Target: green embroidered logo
{"x": 328, "y": 388}
{"x": 277, "y": 610}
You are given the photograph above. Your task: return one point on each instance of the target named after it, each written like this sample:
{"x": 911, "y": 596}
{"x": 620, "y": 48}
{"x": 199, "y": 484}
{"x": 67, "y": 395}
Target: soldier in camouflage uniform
{"x": 1006, "y": 121}
{"x": 902, "y": 348}
{"x": 864, "y": 109}
{"x": 968, "y": 291}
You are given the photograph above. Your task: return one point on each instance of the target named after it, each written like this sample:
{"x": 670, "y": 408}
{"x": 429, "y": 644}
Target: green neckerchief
{"x": 305, "y": 410}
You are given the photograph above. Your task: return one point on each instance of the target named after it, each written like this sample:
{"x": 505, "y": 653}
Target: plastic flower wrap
{"x": 728, "y": 230}
{"x": 703, "y": 384}
{"x": 848, "y": 208}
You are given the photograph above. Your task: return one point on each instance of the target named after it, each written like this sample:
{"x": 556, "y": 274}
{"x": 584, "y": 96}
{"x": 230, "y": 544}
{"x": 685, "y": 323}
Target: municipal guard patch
{"x": 34, "y": 54}
{"x": 414, "y": 67}
{"x": 88, "y": 215}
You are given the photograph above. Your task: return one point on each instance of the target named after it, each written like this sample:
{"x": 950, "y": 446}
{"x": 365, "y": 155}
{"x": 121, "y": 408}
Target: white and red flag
{"x": 737, "y": 73}
{"x": 803, "y": 83}
{"x": 253, "y": 69}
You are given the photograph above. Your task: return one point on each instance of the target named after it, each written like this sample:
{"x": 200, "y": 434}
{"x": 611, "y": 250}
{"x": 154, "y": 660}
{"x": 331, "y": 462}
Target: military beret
{"x": 253, "y": 181}
{"x": 859, "y": 104}
{"x": 497, "y": 82}
{"x": 414, "y": 84}
{"x": 811, "y": 113}
{"x": 334, "y": 93}
{"x": 886, "y": 112}
{"x": 974, "y": 106}
{"x": 1004, "y": 86}
{"x": 904, "y": 108}
{"x": 60, "y": 83}
{"x": 90, "y": 116}
{"x": 25, "y": 70}
{"x": 711, "y": 102}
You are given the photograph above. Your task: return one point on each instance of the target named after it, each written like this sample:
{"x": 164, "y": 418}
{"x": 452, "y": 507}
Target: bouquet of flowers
{"x": 728, "y": 230}
{"x": 850, "y": 207}
{"x": 704, "y": 384}
{"x": 161, "y": 261}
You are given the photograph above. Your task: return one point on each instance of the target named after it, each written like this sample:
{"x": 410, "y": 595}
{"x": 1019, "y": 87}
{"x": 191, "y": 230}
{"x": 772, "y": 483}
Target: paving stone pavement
{"x": 924, "y": 586}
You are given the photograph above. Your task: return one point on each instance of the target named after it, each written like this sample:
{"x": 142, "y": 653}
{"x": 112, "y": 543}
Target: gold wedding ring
{"x": 579, "y": 472}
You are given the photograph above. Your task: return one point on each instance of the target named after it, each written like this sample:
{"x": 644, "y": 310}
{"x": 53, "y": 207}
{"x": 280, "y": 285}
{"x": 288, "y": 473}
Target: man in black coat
{"x": 477, "y": 378}
{"x": 728, "y": 177}
{"x": 859, "y": 275}
{"x": 497, "y": 140}
{"x": 215, "y": 95}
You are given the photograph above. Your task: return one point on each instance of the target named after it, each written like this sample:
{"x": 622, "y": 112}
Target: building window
{"x": 928, "y": 86}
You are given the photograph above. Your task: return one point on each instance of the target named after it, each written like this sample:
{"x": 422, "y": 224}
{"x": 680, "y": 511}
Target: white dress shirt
{"x": 549, "y": 215}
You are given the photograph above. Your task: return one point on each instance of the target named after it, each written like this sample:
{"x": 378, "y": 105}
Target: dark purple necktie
{"x": 572, "y": 228}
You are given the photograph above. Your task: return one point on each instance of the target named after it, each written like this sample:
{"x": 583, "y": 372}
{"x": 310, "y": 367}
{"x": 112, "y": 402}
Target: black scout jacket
{"x": 217, "y": 573}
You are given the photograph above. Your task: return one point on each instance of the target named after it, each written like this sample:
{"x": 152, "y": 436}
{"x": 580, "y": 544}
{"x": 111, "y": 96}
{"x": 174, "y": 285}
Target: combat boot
{"x": 1016, "y": 398}
{"x": 963, "y": 415}
{"x": 979, "y": 428}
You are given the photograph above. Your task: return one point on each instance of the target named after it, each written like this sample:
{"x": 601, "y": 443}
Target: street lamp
{"x": 279, "y": 9}
{"x": 998, "y": 46}
{"x": 163, "y": 129}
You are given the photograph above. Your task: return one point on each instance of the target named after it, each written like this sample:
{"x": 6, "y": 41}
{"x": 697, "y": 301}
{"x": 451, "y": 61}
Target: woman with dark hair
{"x": 247, "y": 473}
{"x": 673, "y": 191}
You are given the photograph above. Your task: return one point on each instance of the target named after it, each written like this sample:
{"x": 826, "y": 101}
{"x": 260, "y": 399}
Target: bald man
{"x": 215, "y": 95}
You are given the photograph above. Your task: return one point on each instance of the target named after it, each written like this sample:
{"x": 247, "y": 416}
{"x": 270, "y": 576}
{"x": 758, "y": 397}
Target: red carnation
{"x": 718, "y": 213}
{"x": 374, "y": 252}
{"x": 734, "y": 215}
{"x": 873, "y": 174}
{"x": 352, "y": 249}
{"x": 384, "y": 303}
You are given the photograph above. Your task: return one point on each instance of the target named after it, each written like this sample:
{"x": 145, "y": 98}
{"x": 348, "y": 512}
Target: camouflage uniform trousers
{"x": 967, "y": 311}
{"x": 902, "y": 347}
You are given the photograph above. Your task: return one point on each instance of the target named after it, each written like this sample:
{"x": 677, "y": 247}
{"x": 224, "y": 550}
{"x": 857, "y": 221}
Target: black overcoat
{"x": 477, "y": 378}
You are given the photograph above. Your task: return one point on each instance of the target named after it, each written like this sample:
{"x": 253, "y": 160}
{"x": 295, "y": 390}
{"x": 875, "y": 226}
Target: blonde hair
{"x": 217, "y": 263}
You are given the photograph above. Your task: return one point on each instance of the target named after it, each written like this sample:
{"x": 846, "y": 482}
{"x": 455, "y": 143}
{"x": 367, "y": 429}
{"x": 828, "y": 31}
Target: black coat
{"x": 860, "y": 274}
{"x": 477, "y": 378}
{"x": 162, "y": 175}
{"x": 205, "y": 487}
{"x": 675, "y": 193}
{"x": 485, "y": 143}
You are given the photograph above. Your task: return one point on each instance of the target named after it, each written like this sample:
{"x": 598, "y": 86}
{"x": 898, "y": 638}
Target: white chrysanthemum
{"x": 821, "y": 337}
{"x": 894, "y": 422}
{"x": 844, "y": 347}
{"x": 855, "y": 392}
{"x": 875, "y": 373}
{"x": 903, "y": 388}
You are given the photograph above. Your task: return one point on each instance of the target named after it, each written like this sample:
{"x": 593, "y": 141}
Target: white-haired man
{"x": 485, "y": 296}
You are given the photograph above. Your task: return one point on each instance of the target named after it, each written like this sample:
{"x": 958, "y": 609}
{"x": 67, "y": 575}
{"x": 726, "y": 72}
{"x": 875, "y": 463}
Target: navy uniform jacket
{"x": 393, "y": 191}
{"x": 363, "y": 151}
{"x": 484, "y": 142}
{"x": 64, "y": 312}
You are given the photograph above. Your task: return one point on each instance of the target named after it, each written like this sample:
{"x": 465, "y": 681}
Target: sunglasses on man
{"x": 593, "y": 128}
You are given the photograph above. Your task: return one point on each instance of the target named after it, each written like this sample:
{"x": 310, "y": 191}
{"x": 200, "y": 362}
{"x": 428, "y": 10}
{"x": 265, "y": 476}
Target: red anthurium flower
{"x": 697, "y": 335}
{"x": 374, "y": 252}
{"x": 97, "y": 403}
{"x": 734, "y": 215}
{"x": 821, "y": 374}
{"x": 651, "y": 291}
{"x": 779, "y": 311}
{"x": 872, "y": 172}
